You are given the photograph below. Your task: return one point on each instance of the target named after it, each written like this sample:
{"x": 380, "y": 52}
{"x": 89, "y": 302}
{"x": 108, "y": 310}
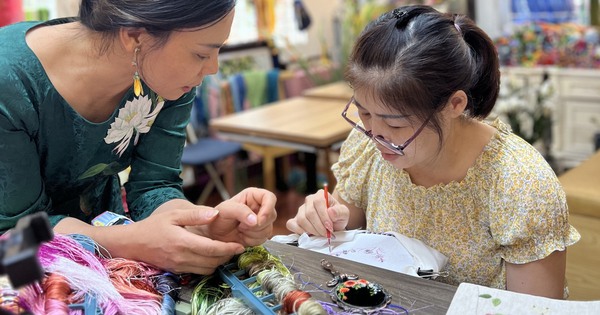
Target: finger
{"x": 198, "y": 216}
{"x": 339, "y": 216}
{"x": 321, "y": 207}
{"x": 292, "y": 226}
{"x": 207, "y": 247}
{"x": 201, "y": 265}
{"x": 267, "y": 213}
{"x": 315, "y": 222}
{"x": 237, "y": 211}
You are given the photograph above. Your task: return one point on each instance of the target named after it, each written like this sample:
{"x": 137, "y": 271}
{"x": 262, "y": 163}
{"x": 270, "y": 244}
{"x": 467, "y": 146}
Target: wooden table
{"x": 418, "y": 296}
{"x": 306, "y": 124}
{"x": 336, "y": 90}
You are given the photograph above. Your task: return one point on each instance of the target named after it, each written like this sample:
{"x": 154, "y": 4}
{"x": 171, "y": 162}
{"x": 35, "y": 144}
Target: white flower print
{"x": 134, "y": 118}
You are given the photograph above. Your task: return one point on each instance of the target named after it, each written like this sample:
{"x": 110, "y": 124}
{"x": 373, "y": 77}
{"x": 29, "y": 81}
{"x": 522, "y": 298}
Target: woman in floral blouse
{"x": 72, "y": 117}
{"x": 422, "y": 162}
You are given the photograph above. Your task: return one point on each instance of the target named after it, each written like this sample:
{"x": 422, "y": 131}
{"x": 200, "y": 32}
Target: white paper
{"x": 475, "y": 299}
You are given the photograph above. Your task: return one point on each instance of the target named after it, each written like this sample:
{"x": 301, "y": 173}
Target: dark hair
{"x": 414, "y": 58}
{"x": 158, "y": 17}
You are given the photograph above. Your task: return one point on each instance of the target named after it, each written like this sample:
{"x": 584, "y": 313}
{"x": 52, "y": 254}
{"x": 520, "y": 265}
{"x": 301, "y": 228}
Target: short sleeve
{"x": 353, "y": 169}
{"x": 529, "y": 215}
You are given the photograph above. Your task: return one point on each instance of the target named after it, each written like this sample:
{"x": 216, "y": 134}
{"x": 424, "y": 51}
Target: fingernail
{"x": 211, "y": 213}
{"x": 252, "y": 219}
{"x": 240, "y": 250}
{"x": 328, "y": 226}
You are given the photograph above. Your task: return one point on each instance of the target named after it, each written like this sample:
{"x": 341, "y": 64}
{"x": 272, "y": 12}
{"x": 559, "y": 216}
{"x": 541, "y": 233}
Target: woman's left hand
{"x": 247, "y": 218}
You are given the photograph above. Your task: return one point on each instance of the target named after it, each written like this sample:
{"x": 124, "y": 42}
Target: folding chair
{"x": 204, "y": 152}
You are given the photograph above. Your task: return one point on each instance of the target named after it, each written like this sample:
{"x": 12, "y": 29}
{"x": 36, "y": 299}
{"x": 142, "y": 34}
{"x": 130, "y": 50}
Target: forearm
{"x": 545, "y": 277}
{"x": 109, "y": 238}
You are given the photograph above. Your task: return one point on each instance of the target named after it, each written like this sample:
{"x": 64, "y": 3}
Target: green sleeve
{"x": 21, "y": 185}
{"x": 156, "y": 164}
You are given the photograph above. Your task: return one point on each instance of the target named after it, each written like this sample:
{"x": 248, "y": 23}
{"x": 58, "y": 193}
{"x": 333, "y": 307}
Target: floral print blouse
{"x": 510, "y": 207}
{"x": 54, "y": 160}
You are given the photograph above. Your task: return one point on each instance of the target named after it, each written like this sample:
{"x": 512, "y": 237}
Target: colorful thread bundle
{"x": 271, "y": 276}
{"x": 79, "y": 282}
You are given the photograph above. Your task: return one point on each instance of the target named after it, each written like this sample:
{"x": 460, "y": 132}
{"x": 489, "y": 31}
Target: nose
{"x": 376, "y": 130}
{"x": 211, "y": 66}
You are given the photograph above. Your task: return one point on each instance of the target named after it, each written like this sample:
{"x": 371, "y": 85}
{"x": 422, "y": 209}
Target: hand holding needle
{"x": 327, "y": 205}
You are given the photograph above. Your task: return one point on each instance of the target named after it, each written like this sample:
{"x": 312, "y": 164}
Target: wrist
{"x": 109, "y": 238}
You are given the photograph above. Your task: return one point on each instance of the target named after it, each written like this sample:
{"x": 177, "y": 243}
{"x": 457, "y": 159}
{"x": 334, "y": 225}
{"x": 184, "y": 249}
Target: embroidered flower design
{"x": 135, "y": 118}
{"x": 361, "y": 295}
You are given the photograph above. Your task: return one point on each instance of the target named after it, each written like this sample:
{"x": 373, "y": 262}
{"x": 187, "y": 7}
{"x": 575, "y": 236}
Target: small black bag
{"x": 302, "y": 16}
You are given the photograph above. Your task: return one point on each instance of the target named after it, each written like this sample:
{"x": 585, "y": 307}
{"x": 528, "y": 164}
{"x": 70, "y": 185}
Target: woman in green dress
{"x": 85, "y": 98}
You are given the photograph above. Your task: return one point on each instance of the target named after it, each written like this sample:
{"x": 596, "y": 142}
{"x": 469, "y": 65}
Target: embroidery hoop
{"x": 369, "y": 309}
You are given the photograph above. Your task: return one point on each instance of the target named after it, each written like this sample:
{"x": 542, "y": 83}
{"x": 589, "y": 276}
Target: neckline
{"x": 52, "y": 89}
{"x": 472, "y": 171}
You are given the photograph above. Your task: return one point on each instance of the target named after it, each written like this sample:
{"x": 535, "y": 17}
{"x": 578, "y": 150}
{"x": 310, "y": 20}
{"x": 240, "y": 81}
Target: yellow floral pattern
{"x": 509, "y": 207}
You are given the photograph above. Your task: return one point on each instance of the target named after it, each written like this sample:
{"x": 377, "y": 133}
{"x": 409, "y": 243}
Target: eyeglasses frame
{"x": 396, "y": 149}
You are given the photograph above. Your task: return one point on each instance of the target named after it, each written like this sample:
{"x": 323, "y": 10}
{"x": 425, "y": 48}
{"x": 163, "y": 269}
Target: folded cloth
{"x": 387, "y": 250}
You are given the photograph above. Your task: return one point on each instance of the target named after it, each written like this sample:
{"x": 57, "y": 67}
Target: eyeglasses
{"x": 397, "y": 149}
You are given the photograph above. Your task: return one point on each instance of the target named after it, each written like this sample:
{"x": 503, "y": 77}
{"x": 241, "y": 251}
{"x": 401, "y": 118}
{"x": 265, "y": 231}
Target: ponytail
{"x": 486, "y": 79}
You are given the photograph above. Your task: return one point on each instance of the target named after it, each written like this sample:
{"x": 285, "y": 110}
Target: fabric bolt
{"x": 239, "y": 92}
{"x": 273, "y": 85}
{"x": 225, "y": 99}
{"x": 47, "y": 148}
{"x": 256, "y": 87}
{"x": 510, "y": 207}
{"x": 296, "y": 84}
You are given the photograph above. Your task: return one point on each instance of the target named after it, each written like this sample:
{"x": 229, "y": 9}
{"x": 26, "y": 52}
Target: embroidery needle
{"x": 327, "y": 205}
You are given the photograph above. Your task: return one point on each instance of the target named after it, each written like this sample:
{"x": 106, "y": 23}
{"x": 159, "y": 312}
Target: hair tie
{"x": 397, "y": 13}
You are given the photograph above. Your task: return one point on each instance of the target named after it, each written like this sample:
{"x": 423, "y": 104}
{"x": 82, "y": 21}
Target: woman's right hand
{"x": 315, "y": 218}
{"x": 163, "y": 241}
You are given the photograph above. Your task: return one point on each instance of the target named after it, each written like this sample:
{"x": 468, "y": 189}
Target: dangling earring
{"x": 137, "y": 82}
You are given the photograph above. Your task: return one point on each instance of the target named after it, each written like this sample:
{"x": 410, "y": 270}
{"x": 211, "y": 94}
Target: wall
{"x": 321, "y": 13}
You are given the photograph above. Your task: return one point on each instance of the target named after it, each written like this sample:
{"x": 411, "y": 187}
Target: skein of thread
{"x": 57, "y": 291}
{"x": 292, "y": 301}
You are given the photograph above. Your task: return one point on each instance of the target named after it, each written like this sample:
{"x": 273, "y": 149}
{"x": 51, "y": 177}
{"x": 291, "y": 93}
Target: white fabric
{"x": 388, "y": 250}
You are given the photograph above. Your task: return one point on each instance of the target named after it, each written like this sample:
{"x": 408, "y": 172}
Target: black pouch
{"x": 302, "y": 16}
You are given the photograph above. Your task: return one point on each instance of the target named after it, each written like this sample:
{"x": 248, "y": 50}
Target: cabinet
{"x": 576, "y": 114}
{"x": 575, "y": 109}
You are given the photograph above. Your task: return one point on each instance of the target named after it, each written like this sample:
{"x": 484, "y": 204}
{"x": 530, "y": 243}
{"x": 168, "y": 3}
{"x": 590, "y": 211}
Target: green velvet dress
{"x": 54, "y": 160}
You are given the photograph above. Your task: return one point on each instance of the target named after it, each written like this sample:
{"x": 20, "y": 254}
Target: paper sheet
{"x": 479, "y": 300}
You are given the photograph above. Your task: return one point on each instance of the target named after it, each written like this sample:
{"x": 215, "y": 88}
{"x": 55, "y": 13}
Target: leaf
{"x": 92, "y": 171}
{"x": 485, "y": 296}
{"x": 112, "y": 168}
{"x": 496, "y": 301}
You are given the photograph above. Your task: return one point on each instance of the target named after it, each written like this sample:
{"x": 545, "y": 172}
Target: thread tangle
{"x": 271, "y": 277}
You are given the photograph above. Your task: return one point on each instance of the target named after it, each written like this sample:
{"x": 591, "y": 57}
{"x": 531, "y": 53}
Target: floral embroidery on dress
{"x": 135, "y": 118}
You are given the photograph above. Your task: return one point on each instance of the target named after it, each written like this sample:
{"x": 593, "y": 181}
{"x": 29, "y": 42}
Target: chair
{"x": 205, "y": 152}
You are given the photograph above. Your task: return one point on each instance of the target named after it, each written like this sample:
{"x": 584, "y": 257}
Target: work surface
{"x": 418, "y": 296}
{"x": 295, "y": 122}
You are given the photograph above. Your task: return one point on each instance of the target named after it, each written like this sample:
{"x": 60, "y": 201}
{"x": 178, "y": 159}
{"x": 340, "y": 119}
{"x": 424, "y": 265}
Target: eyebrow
{"x": 383, "y": 116}
{"x": 215, "y": 46}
